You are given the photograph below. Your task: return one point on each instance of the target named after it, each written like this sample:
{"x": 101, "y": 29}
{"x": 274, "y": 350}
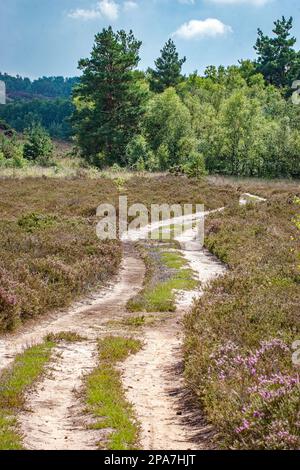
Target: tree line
{"x": 237, "y": 120}
{"x": 54, "y": 115}
{"x": 47, "y": 87}
{"x": 46, "y": 100}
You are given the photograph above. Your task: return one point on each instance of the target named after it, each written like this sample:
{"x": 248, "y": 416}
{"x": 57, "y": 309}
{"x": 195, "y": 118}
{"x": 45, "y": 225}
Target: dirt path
{"x": 153, "y": 379}
{"x": 87, "y": 318}
{"x": 54, "y": 417}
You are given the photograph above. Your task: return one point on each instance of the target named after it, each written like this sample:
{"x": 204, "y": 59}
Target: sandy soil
{"x": 54, "y": 417}
{"x": 154, "y": 380}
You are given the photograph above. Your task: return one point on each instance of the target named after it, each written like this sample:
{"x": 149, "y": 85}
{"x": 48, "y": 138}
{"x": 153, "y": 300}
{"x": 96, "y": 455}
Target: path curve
{"x": 54, "y": 417}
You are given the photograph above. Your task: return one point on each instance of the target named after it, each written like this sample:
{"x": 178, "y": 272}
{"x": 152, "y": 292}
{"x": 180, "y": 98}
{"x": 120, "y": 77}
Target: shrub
{"x": 38, "y": 147}
{"x": 34, "y": 221}
{"x": 240, "y": 333}
{"x": 195, "y": 166}
{"x": 11, "y": 153}
{"x": 138, "y": 153}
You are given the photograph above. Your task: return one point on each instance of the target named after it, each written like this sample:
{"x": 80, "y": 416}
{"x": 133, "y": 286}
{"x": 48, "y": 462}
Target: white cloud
{"x": 82, "y": 14}
{"x": 258, "y": 3}
{"x": 211, "y": 27}
{"x": 108, "y": 9}
{"x": 130, "y": 5}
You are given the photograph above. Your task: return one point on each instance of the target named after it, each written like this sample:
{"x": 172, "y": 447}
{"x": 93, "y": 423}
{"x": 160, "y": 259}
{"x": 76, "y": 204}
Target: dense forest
{"x": 236, "y": 120}
{"x": 54, "y": 115}
{"x": 44, "y": 87}
{"x": 46, "y": 100}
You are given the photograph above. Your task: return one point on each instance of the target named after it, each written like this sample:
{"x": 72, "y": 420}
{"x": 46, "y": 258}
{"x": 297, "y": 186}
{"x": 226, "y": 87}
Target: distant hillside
{"x": 46, "y": 100}
{"x": 19, "y": 88}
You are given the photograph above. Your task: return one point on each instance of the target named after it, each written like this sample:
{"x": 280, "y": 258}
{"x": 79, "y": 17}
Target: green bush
{"x": 38, "y": 147}
{"x": 11, "y": 154}
{"x": 195, "y": 166}
{"x": 138, "y": 152}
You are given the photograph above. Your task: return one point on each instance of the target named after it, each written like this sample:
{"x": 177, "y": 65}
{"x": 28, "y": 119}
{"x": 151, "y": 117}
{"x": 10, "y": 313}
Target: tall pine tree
{"x": 168, "y": 68}
{"x": 278, "y": 61}
{"x": 110, "y": 98}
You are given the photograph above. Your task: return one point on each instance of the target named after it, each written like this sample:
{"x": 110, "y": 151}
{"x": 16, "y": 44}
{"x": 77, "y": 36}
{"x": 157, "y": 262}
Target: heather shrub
{"x": 46, "y": 262}
{"x": 239, "y": 335}
{"x": 34, "y": 221}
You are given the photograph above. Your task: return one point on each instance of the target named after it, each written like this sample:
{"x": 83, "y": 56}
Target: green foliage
{"x": 277, "y": 59}
{"x": 168, "y": 69}
{"x": 236, "y": 120}
{"x": 243, "y": 128}
{"x": 11, "y": 153}
{"x": 105, "y": 395}
{"x": 53, "y": 115}
{"x": 195, "y": 167}
{"x": 110, "y": 98}
{"x": 139, "y": 154}
{"x": 168, "y": 128}
{"x": 38, "y": 147}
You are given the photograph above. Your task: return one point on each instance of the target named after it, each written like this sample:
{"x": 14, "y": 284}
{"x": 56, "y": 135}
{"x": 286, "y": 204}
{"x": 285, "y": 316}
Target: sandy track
{"x": 154, "y": 380}
{"x": 87, "y": 317}
{"x": 54, "y": 416}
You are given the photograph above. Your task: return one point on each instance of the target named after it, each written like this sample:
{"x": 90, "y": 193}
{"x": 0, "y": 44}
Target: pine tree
{"x": 110, "y": 98}
{"x": 168, "y": 69}
{"x": 277, "y": 59}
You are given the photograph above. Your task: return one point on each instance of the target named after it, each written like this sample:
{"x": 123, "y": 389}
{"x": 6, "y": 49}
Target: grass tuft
{"x": 105, "y": 394}
{"x": 14, "y": 382}
{"x": 66, "y": 336}
{"x": 166, "y": 275}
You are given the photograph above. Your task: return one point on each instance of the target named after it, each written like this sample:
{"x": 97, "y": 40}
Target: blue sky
{"x": 47, "y": 37}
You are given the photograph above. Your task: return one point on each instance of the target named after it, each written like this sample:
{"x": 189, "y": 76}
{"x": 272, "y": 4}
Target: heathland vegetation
{"x": 239, "y": 335}
{"x": 236, "y": 121}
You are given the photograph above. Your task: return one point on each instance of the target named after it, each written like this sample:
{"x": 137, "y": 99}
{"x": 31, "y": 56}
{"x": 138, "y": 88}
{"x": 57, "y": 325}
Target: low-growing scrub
{"x": 239, "y": 335}
{"x": 65, "y": 336}
{"x": 50, "y": 254}
{"x": 47, "y": 265}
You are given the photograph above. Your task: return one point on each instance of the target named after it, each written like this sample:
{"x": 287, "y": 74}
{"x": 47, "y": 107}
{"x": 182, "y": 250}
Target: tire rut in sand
{"x": 54, "y": 415}
{"x": 153, "y": 380}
